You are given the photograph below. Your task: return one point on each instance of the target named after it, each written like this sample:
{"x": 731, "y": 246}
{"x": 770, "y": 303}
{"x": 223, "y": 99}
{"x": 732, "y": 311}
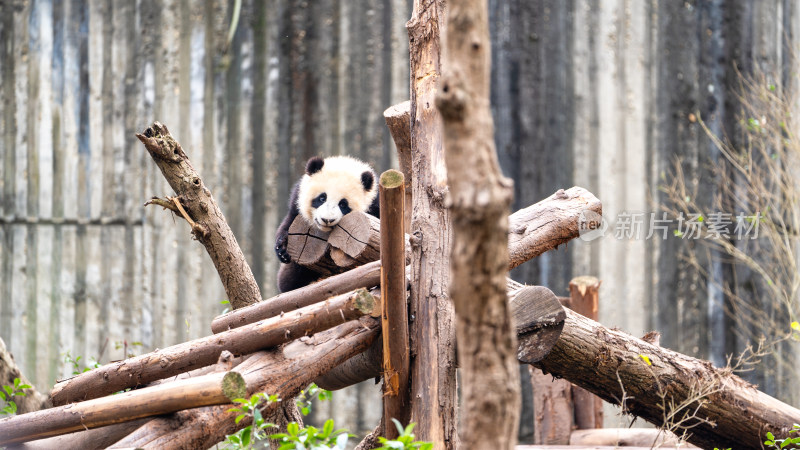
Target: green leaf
{"x": 293, "y": 429}
{"x": 327, "y": 429}
{"x": 246, "y": 436}
{"x": 770, "y": 436}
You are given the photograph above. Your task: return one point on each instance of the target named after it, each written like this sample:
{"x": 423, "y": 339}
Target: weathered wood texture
{"x": 213, "y": 389}
{"x": 585, "y": 300}
{"x": 433, "y": 352}
{"x": 665, "y": 387}
{"x": 394, "y": 302}
{"x": 366, "y": 276}
{"x": 479, "y": 198}
{"x": 196, "y": 205}
{"x": 179, "y": 358}
{"x": 283, "y": 371}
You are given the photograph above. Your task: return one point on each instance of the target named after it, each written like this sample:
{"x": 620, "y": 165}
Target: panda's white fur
{"x": 339, "y": 178}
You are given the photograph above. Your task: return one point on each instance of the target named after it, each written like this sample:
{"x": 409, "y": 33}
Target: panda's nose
{"x": 328, "y": 221}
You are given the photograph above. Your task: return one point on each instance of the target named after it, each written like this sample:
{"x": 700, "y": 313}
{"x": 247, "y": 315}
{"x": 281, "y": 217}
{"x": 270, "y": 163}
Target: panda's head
{"x": 332, "y": 187}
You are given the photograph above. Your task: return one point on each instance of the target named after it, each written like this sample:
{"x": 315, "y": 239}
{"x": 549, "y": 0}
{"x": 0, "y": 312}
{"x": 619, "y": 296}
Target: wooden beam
{"x": 394, "y": 298}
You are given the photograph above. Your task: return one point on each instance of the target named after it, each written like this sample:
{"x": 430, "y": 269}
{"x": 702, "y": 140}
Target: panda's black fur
{"x": 329, "y": 189}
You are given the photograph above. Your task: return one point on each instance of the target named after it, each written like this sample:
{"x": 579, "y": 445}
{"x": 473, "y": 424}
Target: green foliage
{"x": 7, "y": 395}
{"x": 77, "y": 367}
{"x": 789, "y": 442}
{"x": 405, "y": 441}
{"x": 312, "y": 438}
{"x": 307, "y": 396}
{"x": 250, "y": 436}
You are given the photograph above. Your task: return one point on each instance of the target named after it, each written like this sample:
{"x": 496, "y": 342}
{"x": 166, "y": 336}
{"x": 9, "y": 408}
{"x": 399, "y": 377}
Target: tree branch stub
{"x": 210, "y": 227}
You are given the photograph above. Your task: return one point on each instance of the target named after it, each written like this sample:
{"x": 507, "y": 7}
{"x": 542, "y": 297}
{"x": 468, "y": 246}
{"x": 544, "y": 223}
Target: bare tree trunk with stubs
{"x": 433, "y": 349}
{"x": 480, "y": 197}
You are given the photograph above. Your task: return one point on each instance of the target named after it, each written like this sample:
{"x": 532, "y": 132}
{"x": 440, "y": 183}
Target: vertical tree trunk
{"x": 433, "y": 370}
{"x": 481, "y": 197}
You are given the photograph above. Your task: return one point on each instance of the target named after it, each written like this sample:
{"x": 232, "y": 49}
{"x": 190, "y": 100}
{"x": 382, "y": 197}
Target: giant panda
{"x": 330, "y": 189}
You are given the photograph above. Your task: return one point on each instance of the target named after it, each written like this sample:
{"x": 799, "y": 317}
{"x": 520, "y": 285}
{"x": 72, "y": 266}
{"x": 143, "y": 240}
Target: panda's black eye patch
{"x": 319, "y": 200}
{"x": 344, "y": 206}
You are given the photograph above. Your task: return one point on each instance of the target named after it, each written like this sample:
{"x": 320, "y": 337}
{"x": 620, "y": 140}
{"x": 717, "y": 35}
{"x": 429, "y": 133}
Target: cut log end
{"x": 366, "y": 303}
{"x": 392, "y": 179}
{"x": 234, "y": 386}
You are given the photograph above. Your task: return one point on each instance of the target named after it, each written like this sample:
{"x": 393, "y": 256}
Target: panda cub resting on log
{"x": 330, "y": 188}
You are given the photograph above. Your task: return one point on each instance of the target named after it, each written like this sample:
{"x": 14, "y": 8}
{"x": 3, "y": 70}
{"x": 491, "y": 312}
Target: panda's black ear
{"x": 314, "y": 165}
{"x": 367, "y": 179}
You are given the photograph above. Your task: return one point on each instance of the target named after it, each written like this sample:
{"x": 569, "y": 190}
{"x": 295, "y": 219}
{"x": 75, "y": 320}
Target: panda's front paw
{"x": 280, "y": 250}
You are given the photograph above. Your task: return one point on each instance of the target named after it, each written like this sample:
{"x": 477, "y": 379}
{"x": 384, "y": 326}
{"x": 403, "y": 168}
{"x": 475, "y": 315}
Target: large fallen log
{"x": 211, "y": 389}
{"x": 201, "y": 352}
{"x": 715, "y": 407}
{"x": 283, "y": 371}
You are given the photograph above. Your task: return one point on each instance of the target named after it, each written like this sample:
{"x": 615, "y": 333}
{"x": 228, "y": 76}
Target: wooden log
{"x": 549, "y": 223}
{"x": 108, "y": 435}
{"x": 202, "y": 212}
{"x": 358, "y": 236}
{"x": 179, "y": 358}
{"x": 394, "y": 299}
{"x": 584, "y": 295}
{"x": 84, "y": 439}
{"x": 627, "y": 437}
{"x": 433, "y": 365}
{"x": 214, "y": 389}
{"x": 480, "y": 200}
{"x": 722, "y": 409}
{"x": 366, "y": 276}
{"x": 553, "y": 409}
{"x": 307, "y": 244}
{"x": 398, "y": 120}
{"x": 282, "y": 371}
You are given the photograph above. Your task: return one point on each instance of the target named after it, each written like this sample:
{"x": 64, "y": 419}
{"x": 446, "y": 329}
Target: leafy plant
{"x": 307, "y": 395}
{"x": 249, "y": 436}
{"x": 405, "y": 440}
{"x": 77, "y": 368}
{"x": 312, "y": 438}
{"x": 7, "y": 395}
{"x": 790, "y": 442}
